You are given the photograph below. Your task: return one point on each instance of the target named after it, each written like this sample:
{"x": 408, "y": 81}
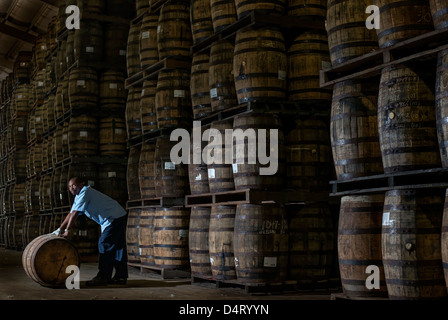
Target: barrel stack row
{"x": 390, "y": 124}
{"x": 214, "y": 242}
{"x": 76, "y": 122}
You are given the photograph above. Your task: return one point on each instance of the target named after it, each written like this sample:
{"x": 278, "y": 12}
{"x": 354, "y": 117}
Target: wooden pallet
{"x": 155, "y": 202}
{"x": 370, "y": 65}
{"x": 235, "y": 197}
{"x": 164, "y": 273}
{"x": 413, "y": 179}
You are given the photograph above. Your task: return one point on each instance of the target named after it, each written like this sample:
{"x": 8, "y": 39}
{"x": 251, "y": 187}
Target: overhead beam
{"x": 16, "y": 33}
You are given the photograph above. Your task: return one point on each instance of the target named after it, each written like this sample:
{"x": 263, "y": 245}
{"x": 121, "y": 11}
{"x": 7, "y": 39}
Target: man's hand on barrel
{"x": 58, "y": 232}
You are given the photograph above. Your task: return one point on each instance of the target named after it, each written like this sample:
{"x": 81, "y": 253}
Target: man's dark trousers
{"x": 112, "y": 250}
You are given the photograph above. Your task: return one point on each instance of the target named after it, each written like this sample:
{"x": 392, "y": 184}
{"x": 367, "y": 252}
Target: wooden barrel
{"x": 112, "y": 137}
{"x": 219, "y": 168}
{"x": 148, "y": 113}
{"x": 133, "y": 114}
{"x": 40, "y": 51}
{"x": 277, "y": 7}
{"x": 199, "y": 87}
{"x": 198, "y": 242}
{"x": 88, "y": 42}
{"x": 132, "y": 234}
{"x": 173, "y": 99}
{"x": 444, "y": 239}
{"x": 13, "y": 232}
{"x": 18, "y": 198}
{"x": 407, "y": 119}
{"x": 311, "y": 243}
{"x": 45, "y": 196}
{"x": 46, "y": 258}
{"x": 439, "y": 12}
{"x": 170, "y": 179}
{"x": 348, "y": 36}
{"x": 260, "y": 65}
{"x": 197, "y": 169}
{"x": 23, "y": 67}
{"x": 221, "y": 242}
{"x": 145, "y": 236}
{"x": 132, "y": 178}
{"x": 149, "y": 50}
{"x": 115, "y": 44}
{"x": 38, "y": 84}
{"x": 133, "y": 64}
{"x": 59, "y": 101}
{"x": 356, "y": 152}
{"x": 411, "y": 244}
{"x": 261, "y": 243}
{"x": 441, "y": 98}
{"x": 55, "y": 179}
{"x": 248, "y": 167}
{"x": 23, "y": 98}
{"x": 174, "y": 36}
{"x": 309, "y": 8}
{"x": 415, "y": 19}
{"x": 141, "y": 6}
{"x": 201, "y": 20}
{"x": 306, "y": 56}
{"x": 359, "y": 244}
{"x": 171, "y": 237}
{"x": 146, "y": 170}
{"x": 112, "y": 181}
{"x": 308, "y": 156}
{"x": 83, "y": 88}
{"x": 112, "y": 93}
{"x": 32, "y": 195}
{"x": 220, "y": 75}
{"x": 83, "y": 135}
{"x": 92, "y": 7}
{"x": 223, "y": 13}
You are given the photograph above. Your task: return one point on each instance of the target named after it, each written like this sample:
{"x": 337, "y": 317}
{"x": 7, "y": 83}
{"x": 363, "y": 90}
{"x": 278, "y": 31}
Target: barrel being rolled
{"x": 411, "y": 244}
{"x": 46, "y": 258}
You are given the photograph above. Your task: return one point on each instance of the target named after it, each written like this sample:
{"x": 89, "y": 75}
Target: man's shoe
{"x": 116, "y": 280}
{"x": 97, "y": 281}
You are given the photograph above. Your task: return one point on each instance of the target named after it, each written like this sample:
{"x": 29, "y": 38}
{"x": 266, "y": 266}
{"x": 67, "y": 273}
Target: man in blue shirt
{"x": 111, "y": 216}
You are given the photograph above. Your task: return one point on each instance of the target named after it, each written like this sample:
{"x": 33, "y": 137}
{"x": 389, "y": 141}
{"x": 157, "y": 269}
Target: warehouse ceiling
{"x": 20, "y": 22}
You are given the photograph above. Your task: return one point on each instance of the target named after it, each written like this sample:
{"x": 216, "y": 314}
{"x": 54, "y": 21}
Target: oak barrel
{"x": 311, "y": 242}
{"x": 149, "y": 51}
{"x": 132, "y": 173}
{"x": 201, "y": 20}
{"x": 132, "y": 235}
{"x": 88, "y": 41}
{"x": 199, "y": 87}
{"x": 133, "y": 64}
{"x": 354, "y": 129}
{"x": 83, "y": 135}
{"x": 198, "y": 242}
{"x": 221, "y": 242}
{"x": 348, "y": 36}
{"x": 145, "y": 236}
{"x": 112, "y": 93}
{"x": 133, "y": 114}
{"x": 261, "y": 243}
{"x": 260, "y": 64}
{"x": 439, "y": 12}
{"x": 46, "y": 258}
{"x": 148, "y": 113}
{"x": 223, "y": 13}
{"x": 441, "y": 97}
{"x": 249, "y": 169}
{"x": 171, "y": 237}
{"x": 146, "y": 170}
{"x": 197, "y": 167}
{"x": 415, "y": 19}
{"x": 244, "y": 7}
{"x": 359, "y": 244}
{"x": 112, "y": 137}
{"x": 411, "y": 244}
{"x": 311, "y": 8}
{"x": 407, "y": 119}
{"x": 83, "y": 88}
{"x": 219, "y": 166}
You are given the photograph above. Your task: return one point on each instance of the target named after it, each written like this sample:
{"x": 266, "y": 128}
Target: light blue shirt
{"x": 97, "y": 206}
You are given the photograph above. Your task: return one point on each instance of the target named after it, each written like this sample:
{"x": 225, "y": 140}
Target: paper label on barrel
{"x": 281, "y": 75}
{"x": 145, "y": 34}
{"x": 270, "y": 262}
{"x": 40, "y": 84}
{"x": 386, "y": 220}
{"x": 60, "y": 196}
{"x": 66, "y": 59}
{"x": 80, "y": 83}
{"x": 111, "y": 174}
{"x": 82, "y": 233}
{"x": 23, "y": 64}
{"x": 65, "y": 136}
{"x": 19, "y": 96}
{"x": 170, "y": 166}
{"x": 33, "y": 131}
{"x": 43, "y": 47}
{"x": 22, "y": 197}
{"x": 211, "y": 173}
{"x": 20, "y": 129}
{"x": 118, "y": 131}
{"x": 83, "y": 134}
{"x": 198, "y": 177}
{"x": 122, "y": 52}
{"x": 183, "y": 233}
{"x": 179, "y": 93}
{"x": 235, "y": 167}
{"x": 213, "y": 93}
{"x": 37, "y": 119}
{"x": 113, "y": 85}
{"x": 90, "y": 49}
{"x": 36, "y": 193}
